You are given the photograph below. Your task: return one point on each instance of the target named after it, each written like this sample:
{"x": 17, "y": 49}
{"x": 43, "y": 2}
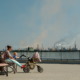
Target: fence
{"x": 57, "y": 57}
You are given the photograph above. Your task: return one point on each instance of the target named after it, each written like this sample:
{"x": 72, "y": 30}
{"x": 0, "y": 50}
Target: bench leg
{"x": 6, "y": 70}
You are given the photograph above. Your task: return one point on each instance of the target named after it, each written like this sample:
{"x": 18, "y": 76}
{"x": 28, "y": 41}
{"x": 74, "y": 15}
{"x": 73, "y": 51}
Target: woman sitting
{"x": 8, "y": 57}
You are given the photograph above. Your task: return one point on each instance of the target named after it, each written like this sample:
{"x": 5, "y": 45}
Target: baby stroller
{"x": 32, "y": 63}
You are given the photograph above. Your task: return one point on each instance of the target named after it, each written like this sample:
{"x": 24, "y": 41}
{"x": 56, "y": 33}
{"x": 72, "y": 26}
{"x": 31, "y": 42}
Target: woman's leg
{"x": 8, "y": 61}
{"x": 14, "y": 61}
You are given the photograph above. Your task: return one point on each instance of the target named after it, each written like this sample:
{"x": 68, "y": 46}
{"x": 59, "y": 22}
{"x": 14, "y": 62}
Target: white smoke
{"x": 57, "y": 26}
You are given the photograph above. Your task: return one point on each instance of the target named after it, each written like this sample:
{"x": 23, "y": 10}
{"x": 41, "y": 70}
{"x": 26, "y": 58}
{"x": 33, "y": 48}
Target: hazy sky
{"x": 30, "y": 22}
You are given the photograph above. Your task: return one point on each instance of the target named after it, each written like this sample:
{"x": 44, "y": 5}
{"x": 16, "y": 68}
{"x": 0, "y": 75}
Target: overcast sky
{"x": 30, "y": 22}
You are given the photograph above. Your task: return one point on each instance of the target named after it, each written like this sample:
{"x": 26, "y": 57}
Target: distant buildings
{"x": 55, "y": 48}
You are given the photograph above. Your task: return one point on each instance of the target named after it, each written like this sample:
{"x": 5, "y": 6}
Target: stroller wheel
{"x": 39, "y": 69}
{"x": 26, "y": 69}
{"x": 32, "y": 66}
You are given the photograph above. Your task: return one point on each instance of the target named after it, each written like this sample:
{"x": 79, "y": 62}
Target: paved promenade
{"x": 51, "y": 72}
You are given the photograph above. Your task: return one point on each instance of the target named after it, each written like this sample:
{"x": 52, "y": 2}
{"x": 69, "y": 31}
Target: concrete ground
{"x": 51, "y": 72}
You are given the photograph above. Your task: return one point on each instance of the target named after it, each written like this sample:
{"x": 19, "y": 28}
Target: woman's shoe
{"x": 23, "y": 66}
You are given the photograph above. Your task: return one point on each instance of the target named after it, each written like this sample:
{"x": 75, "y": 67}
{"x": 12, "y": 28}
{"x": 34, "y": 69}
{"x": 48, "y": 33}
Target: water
{"x": 54, "y": 55}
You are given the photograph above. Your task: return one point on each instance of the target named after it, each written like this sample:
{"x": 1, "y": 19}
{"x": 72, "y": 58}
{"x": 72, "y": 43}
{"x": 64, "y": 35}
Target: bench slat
{"x": 3, "y": 64}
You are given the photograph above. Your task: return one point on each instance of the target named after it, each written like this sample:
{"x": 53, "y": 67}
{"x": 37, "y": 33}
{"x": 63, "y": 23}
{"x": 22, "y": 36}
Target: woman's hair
{"x": 8, "y": 47}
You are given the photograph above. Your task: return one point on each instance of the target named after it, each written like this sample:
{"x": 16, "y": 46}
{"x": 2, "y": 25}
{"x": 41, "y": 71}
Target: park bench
{"x": 4, "y": 69}
{"x": 11, "y": 65}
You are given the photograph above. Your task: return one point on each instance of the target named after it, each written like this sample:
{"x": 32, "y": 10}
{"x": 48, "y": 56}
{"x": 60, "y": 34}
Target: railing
{"x": 57, "y": 57}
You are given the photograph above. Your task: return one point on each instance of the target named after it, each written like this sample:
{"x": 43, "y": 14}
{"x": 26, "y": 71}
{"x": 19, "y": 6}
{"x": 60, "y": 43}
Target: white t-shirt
{"x": 8, "y": 53}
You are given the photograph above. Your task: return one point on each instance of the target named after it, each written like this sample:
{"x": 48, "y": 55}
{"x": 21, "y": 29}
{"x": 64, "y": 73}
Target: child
{"x": 15, "y": 55}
